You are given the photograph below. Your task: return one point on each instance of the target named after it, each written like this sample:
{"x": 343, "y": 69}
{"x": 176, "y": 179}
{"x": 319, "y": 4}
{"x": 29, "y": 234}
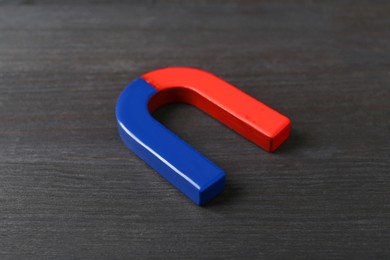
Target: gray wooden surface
{"x": 69, "y": 188}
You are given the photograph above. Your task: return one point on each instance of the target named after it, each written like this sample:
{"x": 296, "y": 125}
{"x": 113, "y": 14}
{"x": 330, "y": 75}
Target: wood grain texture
{"x": 69, "y": 189}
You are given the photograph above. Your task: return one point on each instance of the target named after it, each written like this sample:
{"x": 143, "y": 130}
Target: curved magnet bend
{"x": 175, "y": 160}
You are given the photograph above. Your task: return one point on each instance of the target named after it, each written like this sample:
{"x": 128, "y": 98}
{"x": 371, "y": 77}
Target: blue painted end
{"x": 171, "y": 157}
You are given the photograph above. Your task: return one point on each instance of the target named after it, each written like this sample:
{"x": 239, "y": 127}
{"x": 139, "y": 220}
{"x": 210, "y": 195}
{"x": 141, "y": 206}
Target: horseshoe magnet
{"x": 180, "y": 164}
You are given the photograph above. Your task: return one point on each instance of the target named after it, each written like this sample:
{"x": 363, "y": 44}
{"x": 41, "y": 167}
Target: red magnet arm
{"x": 241, "y": 112}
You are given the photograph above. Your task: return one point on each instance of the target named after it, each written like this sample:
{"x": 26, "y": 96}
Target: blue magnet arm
{"x": 180, "y": 164}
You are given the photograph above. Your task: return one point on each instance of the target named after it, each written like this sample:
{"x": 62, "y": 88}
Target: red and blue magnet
{"x": 183, "y": 166}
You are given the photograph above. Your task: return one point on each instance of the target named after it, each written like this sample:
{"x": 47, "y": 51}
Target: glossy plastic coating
{"x": 175, "y": 160}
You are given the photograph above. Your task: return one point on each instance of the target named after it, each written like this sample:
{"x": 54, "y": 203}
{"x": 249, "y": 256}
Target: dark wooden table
{"x": 69, "y": 188}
